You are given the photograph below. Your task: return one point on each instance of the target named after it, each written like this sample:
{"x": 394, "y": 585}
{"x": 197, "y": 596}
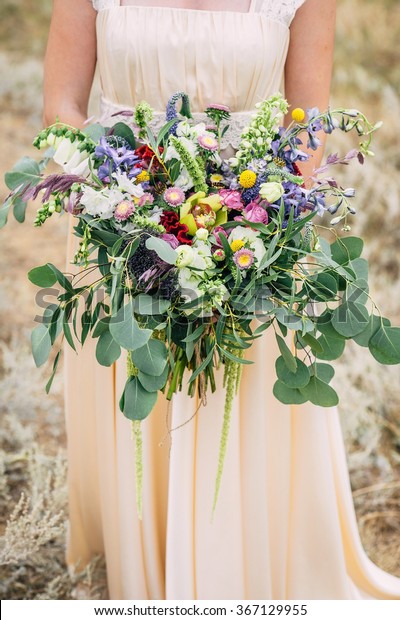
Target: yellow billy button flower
{"x": 247, "y": 179}
{"x": 298, "y": 115}
{"x": 237, "y": 245}
{"x": 142, "y": 177}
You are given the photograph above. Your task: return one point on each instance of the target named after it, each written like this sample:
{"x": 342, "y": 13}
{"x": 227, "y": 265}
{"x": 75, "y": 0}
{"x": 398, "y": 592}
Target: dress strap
{"x": 282, "y": 11}
{"x": 100, "y": 5}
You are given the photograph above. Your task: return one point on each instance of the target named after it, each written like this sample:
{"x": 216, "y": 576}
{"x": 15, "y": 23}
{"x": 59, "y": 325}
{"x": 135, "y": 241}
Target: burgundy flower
{"x": 171, "y": 223}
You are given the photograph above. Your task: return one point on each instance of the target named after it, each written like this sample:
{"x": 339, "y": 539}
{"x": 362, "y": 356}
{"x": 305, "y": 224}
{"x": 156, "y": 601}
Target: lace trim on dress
{"x": 282, "y": 11}
{"x": 111, "y": 113}
{"x": 100, "y": 5}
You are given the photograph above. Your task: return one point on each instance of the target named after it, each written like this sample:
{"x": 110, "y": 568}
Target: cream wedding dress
{"x": 284, "y": 526}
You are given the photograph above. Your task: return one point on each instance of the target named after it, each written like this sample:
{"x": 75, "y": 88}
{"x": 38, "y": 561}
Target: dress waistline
{"x": 238, "y": 121}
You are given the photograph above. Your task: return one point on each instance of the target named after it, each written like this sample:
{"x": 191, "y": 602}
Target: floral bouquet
{"x": 189, "y": 257}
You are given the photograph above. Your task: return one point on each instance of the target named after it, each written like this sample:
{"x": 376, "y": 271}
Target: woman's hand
{"x": 70, "y": 62}
{"x": 309, "y": 63}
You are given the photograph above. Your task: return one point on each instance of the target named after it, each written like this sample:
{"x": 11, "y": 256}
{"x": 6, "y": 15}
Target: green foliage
{"x": 126, "y": 331}
{"x": 137, "y": 402}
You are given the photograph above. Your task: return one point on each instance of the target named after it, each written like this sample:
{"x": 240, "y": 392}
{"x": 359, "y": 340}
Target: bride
{"x": 285, "y": 526}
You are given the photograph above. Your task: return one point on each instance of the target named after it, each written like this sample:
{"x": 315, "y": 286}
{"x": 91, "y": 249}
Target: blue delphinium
{"x": 115, "y": 158}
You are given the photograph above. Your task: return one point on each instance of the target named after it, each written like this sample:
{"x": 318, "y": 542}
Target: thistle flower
{"x": 244, "y": 258}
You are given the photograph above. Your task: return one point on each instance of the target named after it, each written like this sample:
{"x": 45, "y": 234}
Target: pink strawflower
{"x": 174, "y": 196}
{"x": 220, "y": 107}
{"x": 231, "y": 199}
{"x": 244, "y": 258}
{"x": 124, "y": 210}
{"x": 146, "y": 200}
{"x": 208, "y": 142}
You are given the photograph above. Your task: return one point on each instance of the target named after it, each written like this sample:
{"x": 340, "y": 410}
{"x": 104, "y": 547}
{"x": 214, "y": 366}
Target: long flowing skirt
{"x": 284, "y": 526}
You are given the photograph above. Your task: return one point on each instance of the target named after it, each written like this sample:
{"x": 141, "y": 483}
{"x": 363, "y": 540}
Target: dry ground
{"x": 32, "y": 439}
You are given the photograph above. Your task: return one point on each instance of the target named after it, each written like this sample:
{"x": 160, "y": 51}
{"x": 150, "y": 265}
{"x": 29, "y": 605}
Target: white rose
{"x": 271, "y": 191}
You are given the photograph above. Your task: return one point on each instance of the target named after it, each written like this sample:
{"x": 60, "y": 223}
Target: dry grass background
{"x": 32, "y": 441}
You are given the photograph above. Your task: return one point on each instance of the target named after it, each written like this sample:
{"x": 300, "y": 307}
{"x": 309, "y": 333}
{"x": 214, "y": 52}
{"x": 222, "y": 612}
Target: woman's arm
{"x": 309, "y": 62}
{"x": 70, "y": 62}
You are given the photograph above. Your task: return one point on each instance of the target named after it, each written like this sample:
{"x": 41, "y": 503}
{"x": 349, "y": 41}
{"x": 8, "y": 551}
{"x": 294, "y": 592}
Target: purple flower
{"x": 217, "y": 231}
{"x": 115, "y": 154}
{"x": 171, "y": 240}
{"x": 254, "y": 212}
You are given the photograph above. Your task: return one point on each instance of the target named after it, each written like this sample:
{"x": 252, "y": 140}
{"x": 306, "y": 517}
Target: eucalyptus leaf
{"x": 149, "y": 305}
{"x": 359, "y": 266}
{"x": 137, "y": 402}
{"x": 151, "y": 358}
{"x": 25, "y": 172}
{"x": 41, "y": 344}
{"x": 42, "y": 276}
{"x": 153, "y": 384}
{"x": 323, "y": 287}
{"x": 107, "y": 350}
{"x": 374, "y": 324}
{"x": 297, "y": 379}
{"x": 287, "y": 395}
{"x": 385, "y": 345}
{"x": 357, "y": 292}
{"x": 53, "y": 373}
{"x": 287, "y": 355}
{"x": 19, "y": 209}
{"x": 325, "y": 372}
{"x": 332, "y": 348}
{"x": 346, "y": 249}
{"x": 94, "y": 131}
{"x": 126, "y": 331}
{"x": 163, "y": 249}
{"x": 320, "y": 393}
{"x": 124, "y": 131}
{"x": 350, "y": 319}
